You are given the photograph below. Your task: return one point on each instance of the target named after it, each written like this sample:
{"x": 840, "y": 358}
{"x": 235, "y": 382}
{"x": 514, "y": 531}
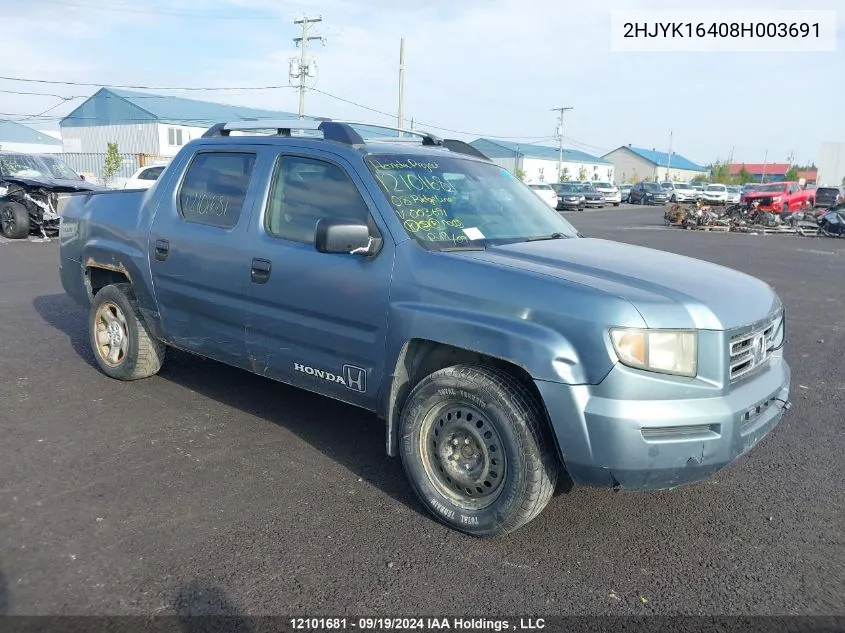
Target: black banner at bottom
{"x": 421, "y": 624}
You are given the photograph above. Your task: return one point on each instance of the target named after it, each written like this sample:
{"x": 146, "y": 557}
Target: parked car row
{"x": 577, "y": 195}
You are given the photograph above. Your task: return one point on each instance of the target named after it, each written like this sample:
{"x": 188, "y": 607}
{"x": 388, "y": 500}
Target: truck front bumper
{"x": 657, "y": 444}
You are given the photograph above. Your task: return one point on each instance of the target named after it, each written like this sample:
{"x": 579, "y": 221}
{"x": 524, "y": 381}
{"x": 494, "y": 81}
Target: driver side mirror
{"x": 345, "y": 236}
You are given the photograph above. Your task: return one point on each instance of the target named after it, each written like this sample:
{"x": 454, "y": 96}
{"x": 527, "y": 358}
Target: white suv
{"x": 609, "y": 191}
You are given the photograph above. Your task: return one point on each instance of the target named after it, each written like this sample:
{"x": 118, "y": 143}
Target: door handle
{"x": 162, "y": 249}
{"x": 260, "y": 272}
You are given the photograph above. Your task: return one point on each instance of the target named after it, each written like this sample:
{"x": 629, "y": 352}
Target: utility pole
{"x": 304, "y": 68}
{"x": 765, "y": 159}
{"x": 401, "y": 124}
{"x": 560, "y": 141}
{"x": 669, "y": 158}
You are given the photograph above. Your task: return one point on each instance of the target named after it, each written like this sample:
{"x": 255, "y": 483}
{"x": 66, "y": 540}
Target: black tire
{"x": 14, "y": 221}
{"x": 140, "y": 355}
{"x": 615, "y": 204}
{"x": 505, "y": 444}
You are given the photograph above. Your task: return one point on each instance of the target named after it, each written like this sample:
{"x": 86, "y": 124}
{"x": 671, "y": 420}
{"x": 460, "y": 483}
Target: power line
{"x": 50, "y": 109}
{"x": 419, "y": 123}
{"x": 137, "y": 87}
{"x": 42, "y": 118}
{"x": 157, "y": 11}
{"x": 38, "y": 94}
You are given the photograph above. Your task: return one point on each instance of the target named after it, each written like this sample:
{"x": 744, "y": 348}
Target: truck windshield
{"x": 770, "y": 188}
{"x": 447, "y": 202}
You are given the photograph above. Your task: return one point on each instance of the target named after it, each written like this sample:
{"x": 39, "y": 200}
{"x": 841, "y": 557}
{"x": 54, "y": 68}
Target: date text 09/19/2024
{"x": 416, "y": 624}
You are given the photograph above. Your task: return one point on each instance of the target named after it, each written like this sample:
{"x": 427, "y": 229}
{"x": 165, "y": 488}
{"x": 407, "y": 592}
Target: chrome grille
{"x": 751, "y": 350}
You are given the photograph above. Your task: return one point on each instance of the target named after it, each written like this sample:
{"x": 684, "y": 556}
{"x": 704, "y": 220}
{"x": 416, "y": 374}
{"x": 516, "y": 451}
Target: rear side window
{"x": 151, "y": 174}
{"x": 214, "y": 188}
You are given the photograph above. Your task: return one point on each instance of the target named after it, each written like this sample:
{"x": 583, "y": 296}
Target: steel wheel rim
{"x": 110, "y": 334}
{"x": 463, "y": 455}
{"x": 7, "y": 220}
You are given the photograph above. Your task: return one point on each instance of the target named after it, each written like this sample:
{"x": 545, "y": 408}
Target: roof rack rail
{"x": 332, "y": 131}
{"x": 339, "y": 131}
{"x": 427, "y": 137}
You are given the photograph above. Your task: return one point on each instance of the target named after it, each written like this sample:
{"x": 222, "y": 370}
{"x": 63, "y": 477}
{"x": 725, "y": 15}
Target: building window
{"x": 174, "y": 136}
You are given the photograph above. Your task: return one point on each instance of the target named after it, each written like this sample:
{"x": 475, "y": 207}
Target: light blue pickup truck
{"x": 412, "y": 277}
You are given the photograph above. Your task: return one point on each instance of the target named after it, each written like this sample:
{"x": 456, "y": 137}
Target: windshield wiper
{"x": 550, "y": 236}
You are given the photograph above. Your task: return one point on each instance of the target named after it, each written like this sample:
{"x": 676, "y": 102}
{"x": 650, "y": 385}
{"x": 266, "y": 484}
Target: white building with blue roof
{"x": 539, "y": 163}
{"x": 154, "y": 124}
{"x": 146, "y": 123}
{"x": 634, "y": 164}
{"x": 15, "y": 137}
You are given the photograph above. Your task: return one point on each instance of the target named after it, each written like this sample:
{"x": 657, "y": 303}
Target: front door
{"x": 318, "y": 320}
{"x": 199, "y": 256}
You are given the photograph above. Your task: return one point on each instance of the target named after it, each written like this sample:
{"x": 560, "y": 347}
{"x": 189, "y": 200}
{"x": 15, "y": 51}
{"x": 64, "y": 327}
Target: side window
{"x": 214, "y": 188}
{"x": 304, "y": 191}
{"x": 151, "y": 174}
{"x": 793, "y": 188}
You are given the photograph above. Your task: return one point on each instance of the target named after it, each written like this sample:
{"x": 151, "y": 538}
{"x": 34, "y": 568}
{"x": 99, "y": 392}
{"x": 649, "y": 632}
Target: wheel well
{"x": 419, "y": 358}
{"x": 97, "y": 278}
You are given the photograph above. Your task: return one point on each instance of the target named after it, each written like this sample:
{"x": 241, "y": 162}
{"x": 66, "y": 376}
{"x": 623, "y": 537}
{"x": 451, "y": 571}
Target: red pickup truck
{"x": 780, "y": 196}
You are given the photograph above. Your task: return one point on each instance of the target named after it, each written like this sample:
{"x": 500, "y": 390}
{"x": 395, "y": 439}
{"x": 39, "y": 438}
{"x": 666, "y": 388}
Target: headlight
{"x": 776, "y": 199}
{"x": 664, "y": 351}
{"x": 779, "y": 332}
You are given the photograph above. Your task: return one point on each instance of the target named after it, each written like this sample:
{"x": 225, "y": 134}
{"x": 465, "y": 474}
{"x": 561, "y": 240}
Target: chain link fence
{"x": 90, "y": 165}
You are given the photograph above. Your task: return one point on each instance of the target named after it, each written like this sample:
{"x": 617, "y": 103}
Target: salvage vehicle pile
{"x": 748, "y": 218}
{"x": 33, "y": 190}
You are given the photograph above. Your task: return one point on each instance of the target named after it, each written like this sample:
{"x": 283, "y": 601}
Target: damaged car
{"x": 33, "y": 190}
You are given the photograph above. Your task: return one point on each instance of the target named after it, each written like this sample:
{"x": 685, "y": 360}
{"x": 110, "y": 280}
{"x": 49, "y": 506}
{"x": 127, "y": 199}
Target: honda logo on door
{"x": 355, "y": 378}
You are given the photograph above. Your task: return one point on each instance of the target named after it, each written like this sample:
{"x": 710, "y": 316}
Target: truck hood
{"x": 668, "y": 290}
{"x": 764, "y": 194}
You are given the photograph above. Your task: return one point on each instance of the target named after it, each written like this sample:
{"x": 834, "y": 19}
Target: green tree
{"x": 744, "y": 176}
{"x": 111, "y": 164}
{"x": 564, "y": 174}
{"x": 720, "y": 172}
{"x": 519, "y": 173}
{"x": 791, "y": 173}
{"x": 582, "y": 173}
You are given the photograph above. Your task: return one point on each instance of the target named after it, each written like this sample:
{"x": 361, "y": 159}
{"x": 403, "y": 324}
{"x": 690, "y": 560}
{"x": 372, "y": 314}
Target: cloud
{"x": 495, "y": 67}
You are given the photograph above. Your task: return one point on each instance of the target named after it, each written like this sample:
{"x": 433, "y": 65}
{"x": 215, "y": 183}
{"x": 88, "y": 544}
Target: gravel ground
{"x": 207, "y": 488}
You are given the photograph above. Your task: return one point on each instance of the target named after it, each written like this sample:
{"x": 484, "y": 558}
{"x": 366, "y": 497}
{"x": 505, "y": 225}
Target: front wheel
{"x": 477, "y": 450}
{"x": 123, "y": 346}
{"x": 14, "y": 221}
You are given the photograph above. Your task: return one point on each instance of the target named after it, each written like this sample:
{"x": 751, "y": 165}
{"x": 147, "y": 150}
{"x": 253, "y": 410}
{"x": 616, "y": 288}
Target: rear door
{"x": 199, "y": 253}
{"x": 317, "y": 320}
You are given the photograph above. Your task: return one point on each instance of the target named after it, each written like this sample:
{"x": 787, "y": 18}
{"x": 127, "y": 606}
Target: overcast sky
{"x": 482, "y": 67}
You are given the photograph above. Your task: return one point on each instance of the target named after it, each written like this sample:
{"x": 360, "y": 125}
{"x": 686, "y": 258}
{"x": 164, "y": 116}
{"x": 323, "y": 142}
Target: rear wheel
{"x": 123, "y": 346}
{"x": 477, "y": 450}
{"x": 14, "y": 221}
